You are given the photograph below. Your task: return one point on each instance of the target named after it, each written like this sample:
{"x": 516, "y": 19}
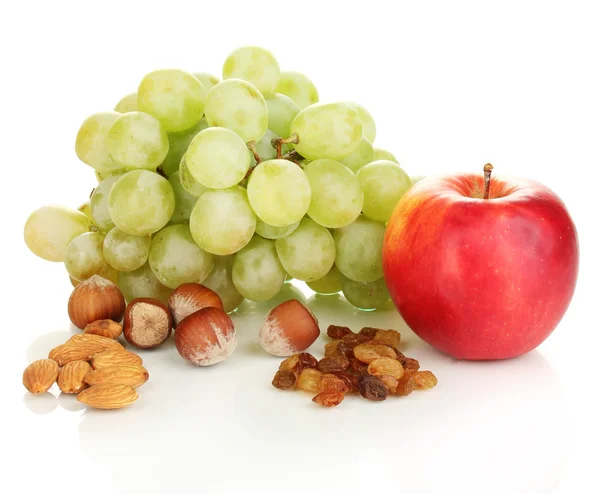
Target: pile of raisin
{"x": 368, "y": 362}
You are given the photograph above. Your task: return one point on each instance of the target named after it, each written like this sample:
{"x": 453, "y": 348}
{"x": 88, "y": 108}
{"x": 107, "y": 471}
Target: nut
{"x": 129, "y": 375}
{"x": 289, "y": 328}
{"x": 82, "y": 347}
{"x": 94, "y": 299}
{"x": 39, "y": 376}
{"x": 191, "y": 297}
{"x": 71, "y": 376}
{"x": 147, "y": 323}
{"x": 206, "y": 337}
{"x": 110, "y": 358}
{"x": 108, "y": 396}
{"x": 104, "y": 327}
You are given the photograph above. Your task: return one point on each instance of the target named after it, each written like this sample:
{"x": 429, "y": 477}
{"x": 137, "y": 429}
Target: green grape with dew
{"x": 220, "y": 280}
{"x": 208, "y": 80}
{"x": 274, "y": 232}
{"x": 257, "y": 273}
{"x": 308, "y": 252}
{"x": 255, "y": 65}
{"x": 298, "y": 88}
{"x": 142, "y": 283}
{"x": 175, "y": 97}
{"x": 84, "y": 257}
{"x": 184, "y": 201}
{"x": 358, "y": 249}
{"x": 217, "y": 158}
{"x": 337, "y": 198}
{"x": 49, "y": 229}
{"x": 382, "y": 154}
{"x": 137, "y": 140}
{"x": 369, "y": 129}
{"x": 127, "y": 103}
{"x": 361, "y": 156}
{"x": 330, "y": 284}
{"x": 366, "y": 296}
{"x": 99, "y": 203}
{"x": 188, "y": 182}
{"x": 282, "y": 110}
{"x": 383, "y": 183}
{"x": 141, "y": 202}
{"x": 330, "y": 130}
{"x": 222, "y": 221}
{"x": 91, "y": 143}
{"x": 238, "y": 106}
{"x": 178, "y": 144}
{"x": 125, "y": 252}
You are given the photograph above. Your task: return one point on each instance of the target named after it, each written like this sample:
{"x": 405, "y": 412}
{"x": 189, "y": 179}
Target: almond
{"x": 105, "y": 327}
{"x": 71, "y": 376}
{"x": 129, "y": 375}
{"x": 110, "y": 358}
{"x": 39, "y": 376}
{"x": 82, "y": 347}
{"x": 108, "y": 396}
{"x": 100, "y": 341}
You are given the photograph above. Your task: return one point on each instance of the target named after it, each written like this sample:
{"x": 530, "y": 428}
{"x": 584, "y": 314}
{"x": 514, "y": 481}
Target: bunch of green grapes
{"x": 239, "y": 184}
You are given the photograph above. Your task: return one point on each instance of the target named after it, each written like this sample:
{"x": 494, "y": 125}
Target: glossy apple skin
{"x": 478, "y": 278}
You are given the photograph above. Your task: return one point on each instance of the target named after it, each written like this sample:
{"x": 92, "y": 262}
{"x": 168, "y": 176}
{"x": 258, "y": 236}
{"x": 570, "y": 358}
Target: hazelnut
{"x": 104, "y": 327}
{"x": 191, "y": 297}
{"x": 95, "y": 298}
{"x": 289, "y": 328}
{"x": 147, "y": 323}
{"x": 206, "y": 337}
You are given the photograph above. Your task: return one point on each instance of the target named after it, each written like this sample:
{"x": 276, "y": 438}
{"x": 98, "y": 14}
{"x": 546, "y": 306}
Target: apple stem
{"x": 487, "y": 177}
{"x": 278, "y": 142}
{"x": 252, "y": 147}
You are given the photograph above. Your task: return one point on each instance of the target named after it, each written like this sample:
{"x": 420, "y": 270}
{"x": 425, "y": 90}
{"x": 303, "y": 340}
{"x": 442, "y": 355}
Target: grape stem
{"x": 278, "y": 142}
{"x": 487, "y": 178}
{"x": 252, "y": 147}
{"x": 161, "y": 172}
{"x": 294, "y": 156}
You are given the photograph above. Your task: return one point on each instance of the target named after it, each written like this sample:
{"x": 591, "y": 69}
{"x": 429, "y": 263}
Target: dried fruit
{"x": 386, "y": 367}
{"x": 284, "y": 379}
{"x": 389, "y": 337}
{"x": 406, "y": 385}
{"x": 353, "y": 340}
{"x": 329, "y": 398}
{"x": 39, "y": 376}
{"x": 331, "y": 348}
{"x": 369, "y": 332}
{"x": 83, "y": 347}
{"x": 305, "y": 361}
{"x": 191, "y": 297}
{"x": 337, "y": 363}
{"x": 71, "y": 376}
{"x": 358, "y": 366}
{"x": 372, "y": 388}
{"x": 110, "y": 358}
{"x": 351, "y": 380}
{"x": 308, "y": 380}
{"x": 206, "y": 337}
{"x": 290, "y": 327}
{"x": 290, "y": 363}
{"x": 329, "y": 382}
{"x": 345, "y": 350}
{"x": 147, "y": 323}
{"x": 424, "y": 380}
{"x": 367, "y": 352}
{"x": 390, "y": 382}
{"x": 338, "y": 332}
{"x": 94, "y": 299}
{"x": 104, "y": 327}
{"x": 108, "y": 396}
{"x": 129, "y": 375}
{"x": 410, "y": 364}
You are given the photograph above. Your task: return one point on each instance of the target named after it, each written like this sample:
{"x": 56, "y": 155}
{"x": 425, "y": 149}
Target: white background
{"x": 452, "y": 86}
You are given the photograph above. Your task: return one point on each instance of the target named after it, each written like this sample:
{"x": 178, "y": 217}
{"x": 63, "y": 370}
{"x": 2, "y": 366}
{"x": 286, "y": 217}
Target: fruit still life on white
{"x": 212, "y": 190}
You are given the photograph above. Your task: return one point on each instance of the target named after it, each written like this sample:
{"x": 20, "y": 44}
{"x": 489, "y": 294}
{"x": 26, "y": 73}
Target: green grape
{"x": 125, "y": 252}
{"x": 358, "y": 158}
{"x": 274, "y": 232}
{"x": 137, "y": 140}
{"x": 217, "y": 158}
{"x": 91, "y": 144}
{"x": 127, "y": 103}
{"x": 221, "y": 281}
{"x": 255, "y": 65}
{"x": 178, "y": 144}
{"x": 142, "y": 283}
{"x": 222, "y": 221}
{"x": 416, "y": 179}
{"x": 86, "y": 209}
{"x": 330, "y": 130}
{"x": 49, "y": 229}
{"x": 367, "y": 296}
{"x": 184, "y": 201}
{"x": 298, "y": 88}
{"x": 99, "y": 203}
{"x": 382, "y": 154}
{"x": 238, "y": 106}
{"x": 279, "y": 192}
{"x": 308, "y": 252}
{"x": 337, "y": 198}
{"x": 383, "y": 183}
{"x": 207, "y": 80}
{"x": 282, "y": 110}
{"x": 369, "y": 129}
{"x": 84, "y": 256}
{"x": 358, "y": 249}
{"x": 175, "y": 97}
{"x": 189, "y": 183}
{"x": 141, "y": 202}
{"x": 329, "y": 284}
{"x": 257, "y": 273}
{"x": 264, "y": 148}
{"x": 103, "y": 176}
{"x": 176, "y": 259}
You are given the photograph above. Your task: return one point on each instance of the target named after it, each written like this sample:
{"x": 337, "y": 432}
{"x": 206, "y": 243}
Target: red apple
{"x": 481, "y": 278}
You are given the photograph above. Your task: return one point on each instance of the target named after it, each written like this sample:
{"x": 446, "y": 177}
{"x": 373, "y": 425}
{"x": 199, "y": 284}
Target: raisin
{"x": 289, "y": 364}
{"x": 372, "y": 388}
{"x": 351, "y": 380}
{"x": 305, "y": 361}
{"x": 284, "y": 379}
{"x": 399, "y": 354}
{"x": 344, "y": 349}
{"x": 331, "y": 348}
{"x": 368, "y": 332}
{"x": 358, "y": 366}
{"x": 389, "y": 337}
{"x": 329, "y": 398}
{"x": 333, "y": 364}
{"x": 338, "y": 332}
{"x": 367, "y": 353}
{"x": 410, "y": 364}
{"x": 386, "y": 367}
{"x": 390, "y": 383}
{"x": 353, "y": 340}
{"x": 329, "y": 382}
{"x": 424, "y": 380}
{"x": 308, "y": 380}
{"x": 406, "y": 385}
